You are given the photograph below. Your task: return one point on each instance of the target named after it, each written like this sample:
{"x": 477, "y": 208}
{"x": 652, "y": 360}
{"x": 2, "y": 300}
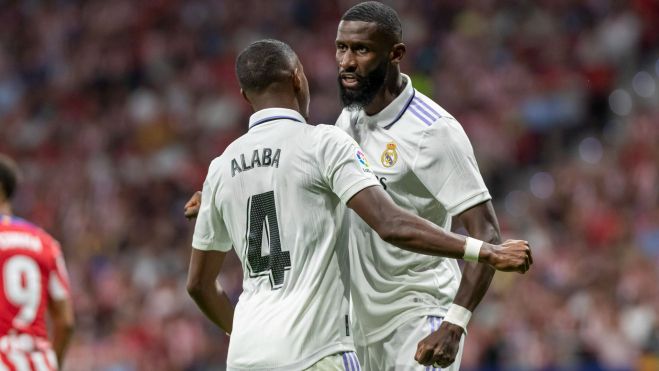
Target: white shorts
{"x": 396, "y": 351}
{"x": 346, "y": 361}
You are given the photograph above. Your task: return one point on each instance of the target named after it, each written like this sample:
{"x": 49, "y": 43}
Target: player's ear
{"x": 297, "y": 79}
{"x": 242, "y": 92}
{"x": 397, "y": 53}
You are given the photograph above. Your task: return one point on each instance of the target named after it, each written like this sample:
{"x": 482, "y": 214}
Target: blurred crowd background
{"x": 114, "y": 109}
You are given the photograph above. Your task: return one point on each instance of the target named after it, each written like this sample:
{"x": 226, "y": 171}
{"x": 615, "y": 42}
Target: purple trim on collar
{"x": 400, "y": 114}
{"x": 272, "y": 118}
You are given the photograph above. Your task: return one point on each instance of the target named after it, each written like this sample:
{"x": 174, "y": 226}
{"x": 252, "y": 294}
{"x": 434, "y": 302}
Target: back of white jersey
{"x": 278, "y": 194}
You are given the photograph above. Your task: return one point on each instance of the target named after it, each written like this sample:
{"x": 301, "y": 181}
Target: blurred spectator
{"x": 115, "y": 109}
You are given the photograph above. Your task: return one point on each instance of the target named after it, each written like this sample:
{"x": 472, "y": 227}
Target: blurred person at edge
{"x": 33, "y": 281}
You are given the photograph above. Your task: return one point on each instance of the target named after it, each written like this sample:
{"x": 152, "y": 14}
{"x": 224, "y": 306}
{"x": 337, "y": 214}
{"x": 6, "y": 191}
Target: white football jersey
{"x": 423, "y": 158}
{"x": 278, "y": 194}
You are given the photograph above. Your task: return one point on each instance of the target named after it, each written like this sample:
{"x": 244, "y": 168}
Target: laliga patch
{"x": 361, "y": 158}
{"x": 389, "y": 156}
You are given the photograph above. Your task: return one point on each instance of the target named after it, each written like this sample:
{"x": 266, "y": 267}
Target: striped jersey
{"x": 32, "y": 273}
{"x": 277, "y": 195}
{"x": 423, "y": 159}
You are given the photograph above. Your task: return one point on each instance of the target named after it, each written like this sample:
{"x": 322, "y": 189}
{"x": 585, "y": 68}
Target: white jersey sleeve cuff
{"x": 469, "y": 202}
{"x": 355, "y": 187}
{"x": 205, "y": 245}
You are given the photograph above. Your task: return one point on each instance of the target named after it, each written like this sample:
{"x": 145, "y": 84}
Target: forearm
{"x": 62, "y": 334}
{"x": 215, "y": 304}
{"x": 476, "y": 278}
{"x": 61, "y": 314}
{"x": 421, "y": 236}
{"x": 408, "y": 231}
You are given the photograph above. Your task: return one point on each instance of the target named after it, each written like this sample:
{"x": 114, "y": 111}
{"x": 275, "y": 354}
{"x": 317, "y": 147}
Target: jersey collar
{"x": 393, "y": 112}
{"x": 271, "y": 114}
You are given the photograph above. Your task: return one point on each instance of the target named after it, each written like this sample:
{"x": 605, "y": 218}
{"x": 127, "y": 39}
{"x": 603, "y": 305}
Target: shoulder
{"x": 222, "y": 163}
{"x": 215, "y": 167}
{"x": 429, "y": 107}
{"x": 331, "y": 135}
{"x": 419, "y": 113}
{"x": 441, "y": 131}
{"x": 28, "y": 227}
{"x": 50, "y": 245}
{"x": 441, "y": 120}
{"x": 345, "y": 118}
{"x": 53, "y": 246}
{"x": 233, "y": 148}
{"x": 328, "y": 129}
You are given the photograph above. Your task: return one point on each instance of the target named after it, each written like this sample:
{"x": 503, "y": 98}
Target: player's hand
{"x": 192, "y": 206}
{"x": 511, "y": 256}
{"x": 440, "y": 348}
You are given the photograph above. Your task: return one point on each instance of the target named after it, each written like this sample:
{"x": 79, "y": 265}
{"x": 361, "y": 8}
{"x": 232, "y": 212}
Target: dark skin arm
{"x": 61, "y": 313}
{"x": 415, "y": 234}
{"x": 441, "y": 347}
{"x": 204, "y": 289}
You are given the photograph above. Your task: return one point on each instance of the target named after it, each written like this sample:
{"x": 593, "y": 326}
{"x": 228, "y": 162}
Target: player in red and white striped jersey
{"x": 33, "y": 281}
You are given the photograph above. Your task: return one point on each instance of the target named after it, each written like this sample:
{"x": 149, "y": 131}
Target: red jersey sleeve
{"x": 58, "y": 278}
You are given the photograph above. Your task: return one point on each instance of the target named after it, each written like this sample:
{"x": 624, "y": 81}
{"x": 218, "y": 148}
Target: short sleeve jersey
{"x": 423, "y": 158}
{"x": 277, "y": 195}
{"x": 32, "y": 271}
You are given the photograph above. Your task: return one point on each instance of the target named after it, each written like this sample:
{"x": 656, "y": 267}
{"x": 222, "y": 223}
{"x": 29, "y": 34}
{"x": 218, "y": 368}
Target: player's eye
{"x": 362, "y": 50}
{"x": 341, "y": 47}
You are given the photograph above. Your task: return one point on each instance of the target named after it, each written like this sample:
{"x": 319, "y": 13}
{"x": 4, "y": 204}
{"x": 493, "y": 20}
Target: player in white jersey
{"x": 277, "y": 195}
{"x": 406, "y": 305}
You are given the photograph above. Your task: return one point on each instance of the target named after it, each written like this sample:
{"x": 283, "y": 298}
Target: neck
{"x": 274, "y": 99}
{"x": 390, "y": 90}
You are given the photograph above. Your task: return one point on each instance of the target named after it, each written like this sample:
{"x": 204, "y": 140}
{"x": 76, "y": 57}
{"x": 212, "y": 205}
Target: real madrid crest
{"x": 389, "y": 156}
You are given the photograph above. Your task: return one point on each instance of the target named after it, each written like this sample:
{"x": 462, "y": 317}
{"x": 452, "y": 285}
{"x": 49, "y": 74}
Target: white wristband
{"x": 472, "y": 249}
{"x": 458, "y": 315}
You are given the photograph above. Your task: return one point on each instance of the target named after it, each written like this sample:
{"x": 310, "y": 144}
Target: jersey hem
{"x": 397, "y": 321}
{"x": 304, "y": 363}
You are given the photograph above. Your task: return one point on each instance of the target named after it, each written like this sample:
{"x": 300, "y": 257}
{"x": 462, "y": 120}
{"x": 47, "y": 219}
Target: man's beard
{"x": 356, "y": 99}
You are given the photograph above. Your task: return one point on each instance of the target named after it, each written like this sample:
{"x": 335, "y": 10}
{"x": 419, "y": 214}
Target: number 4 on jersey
{"x": 262, "y": 223}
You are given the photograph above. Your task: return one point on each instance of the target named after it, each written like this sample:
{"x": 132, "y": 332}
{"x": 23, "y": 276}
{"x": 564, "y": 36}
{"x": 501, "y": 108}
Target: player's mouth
{"x": 349, "y": 80}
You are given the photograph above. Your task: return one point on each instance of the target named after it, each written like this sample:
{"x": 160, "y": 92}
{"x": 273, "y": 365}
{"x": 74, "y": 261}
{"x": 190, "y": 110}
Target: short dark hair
{"x": 8, "y": 176}
{"x": 263, "y": 63}
{"x": 384, "y": 16}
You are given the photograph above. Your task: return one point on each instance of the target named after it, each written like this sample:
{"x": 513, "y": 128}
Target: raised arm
{"x": 410, "y": 232}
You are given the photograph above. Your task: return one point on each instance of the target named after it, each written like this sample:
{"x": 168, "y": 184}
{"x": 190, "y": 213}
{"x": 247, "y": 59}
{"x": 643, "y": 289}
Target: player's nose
{"x": 347, "y": 61}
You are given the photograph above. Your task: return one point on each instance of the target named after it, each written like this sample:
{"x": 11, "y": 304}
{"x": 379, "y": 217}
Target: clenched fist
{"x": 510, "y": 256}
{"x": 192, "y": 206}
